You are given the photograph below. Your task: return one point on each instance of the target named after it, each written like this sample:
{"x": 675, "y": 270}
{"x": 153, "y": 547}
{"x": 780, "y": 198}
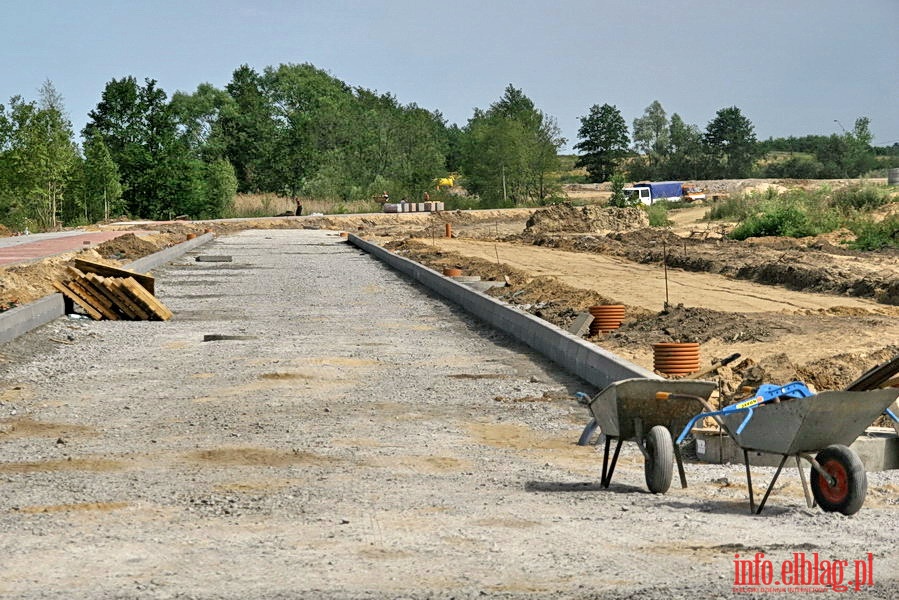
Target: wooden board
{"x": 146, "y": 299}
{"x": 74, "y": 297}
{"x": 98, "y": 293}
{"x": 112, "y": 286}
{"x": 97, "y": 285}
{"x": 81, "y": 288}
{"x": 87, "y": 266}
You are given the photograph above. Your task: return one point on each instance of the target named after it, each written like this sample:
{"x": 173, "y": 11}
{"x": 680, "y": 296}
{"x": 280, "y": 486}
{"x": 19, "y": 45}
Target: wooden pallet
{"x": 109, "y": 293}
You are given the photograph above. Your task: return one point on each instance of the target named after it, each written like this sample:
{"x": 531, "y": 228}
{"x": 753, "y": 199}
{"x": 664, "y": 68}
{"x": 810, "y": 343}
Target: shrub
{"x": 733, "y": 208}
{"x": 784, "y": 220}
{"x": 658, "y": 215}
{"x": 871, "y": 235}
{"x": 864, "y": 197}
{"x": 618, "y": 198}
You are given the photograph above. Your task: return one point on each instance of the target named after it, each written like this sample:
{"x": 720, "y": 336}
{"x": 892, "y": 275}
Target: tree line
{"x": 292, "y": 130}
{"x": 297, "y": 131}
{"x": 661, "y": 148}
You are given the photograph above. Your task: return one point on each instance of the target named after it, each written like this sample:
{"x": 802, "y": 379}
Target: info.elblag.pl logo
{"x": 801, "y": 573}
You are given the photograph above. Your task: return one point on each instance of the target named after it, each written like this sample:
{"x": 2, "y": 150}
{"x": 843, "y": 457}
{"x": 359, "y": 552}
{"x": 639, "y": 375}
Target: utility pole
{"x": 504, "y": 184}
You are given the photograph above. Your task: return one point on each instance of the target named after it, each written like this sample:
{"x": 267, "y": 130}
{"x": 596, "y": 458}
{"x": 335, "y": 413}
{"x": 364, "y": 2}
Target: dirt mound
{"x": 691, "y": 324}
{"x": 25, "y": 283}
{"x": 5, "y": 231}
{"x": 584, "y": 219}
{"x": 128, "y": 246}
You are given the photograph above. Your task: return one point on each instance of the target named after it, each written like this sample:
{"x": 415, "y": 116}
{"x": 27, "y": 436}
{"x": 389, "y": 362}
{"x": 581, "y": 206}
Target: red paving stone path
{"x": 28, "y": 251}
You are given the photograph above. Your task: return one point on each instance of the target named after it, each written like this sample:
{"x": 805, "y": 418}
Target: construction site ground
{"x": 357, "y": 437}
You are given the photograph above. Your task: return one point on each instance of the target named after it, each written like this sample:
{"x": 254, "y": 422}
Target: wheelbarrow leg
{"x": 773, "y": 481}
{"x": 680, "y": 467}
{"x": 749, "y": 482}
{"x": 809, "y": 500}
{"x": 608, "y": 469}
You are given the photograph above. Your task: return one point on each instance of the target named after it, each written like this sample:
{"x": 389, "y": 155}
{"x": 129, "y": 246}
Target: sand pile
{"x": 566, "y": 218}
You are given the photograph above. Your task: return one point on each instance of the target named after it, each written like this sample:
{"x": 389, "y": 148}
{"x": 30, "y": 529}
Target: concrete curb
{"x": 579, "y": 357}
{"x": 23, "y": 319}
{"x": 151, "y": 261}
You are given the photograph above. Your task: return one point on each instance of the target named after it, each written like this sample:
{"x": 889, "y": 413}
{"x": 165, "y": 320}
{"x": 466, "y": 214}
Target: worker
{"x": 299, "y": 211}
{"x": 427, "y": 197}
{"x": 386, "y": 197}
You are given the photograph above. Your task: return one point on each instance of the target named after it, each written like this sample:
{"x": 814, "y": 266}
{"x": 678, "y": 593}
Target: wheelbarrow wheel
{"x": 660, "y": 459}
{"x": 850, "y": 480}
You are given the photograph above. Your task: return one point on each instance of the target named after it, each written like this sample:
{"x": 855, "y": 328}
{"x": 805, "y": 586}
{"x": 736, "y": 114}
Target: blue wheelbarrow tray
{"x": 805, "y": 425}
{"x": 827, "y": 424}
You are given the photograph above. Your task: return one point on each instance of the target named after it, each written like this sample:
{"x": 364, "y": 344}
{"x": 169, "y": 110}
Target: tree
{"x": 249, "y": 131}
{"x": 651, "y": 137}
{"x": 859, "y": 156}
{"x": 198, "y": 117}
{"x": 604, "y": 140}
{"x": 136, "y": 123}
{"x": 38, "y": 159}
{"x": 509, "y": 150}
{"x": 101, "y": 188}
{"x": 731, "y": 139}
{"x": 221, "y": 185}
{"x": 686, "y": 153}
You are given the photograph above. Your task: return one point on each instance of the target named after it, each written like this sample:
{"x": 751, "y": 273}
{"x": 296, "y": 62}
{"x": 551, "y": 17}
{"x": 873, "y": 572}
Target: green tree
{"x": 509, "y": 151}
{"x": 651, "y": 138}
{"x": 198, "y": 117}
{"x": 309, "y": 107}
{"x": 37, "y": 158}
{"x": 221, "y": 185}
{"x": 101, "y": 188}
{"x": 249, "y": 131}
{"x": 604, "y": 140}
{"x": 859, "y": 157}
{"x": 619, "y": 198}
{"x": 686, "y": 152}
{"x": 730, "y": 137}
{"x": 160, "y": 177}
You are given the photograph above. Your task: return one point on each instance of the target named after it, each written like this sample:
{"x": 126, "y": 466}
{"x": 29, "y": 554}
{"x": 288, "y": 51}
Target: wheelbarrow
{"x": 591, "y": 427}
{"x": 798, "y": 425}
{"x": 646, "y": 411}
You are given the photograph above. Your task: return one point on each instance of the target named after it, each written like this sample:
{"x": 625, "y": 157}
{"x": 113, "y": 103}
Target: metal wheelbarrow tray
{"x": 826, "y": 424}
{"x": 647, "y": 411}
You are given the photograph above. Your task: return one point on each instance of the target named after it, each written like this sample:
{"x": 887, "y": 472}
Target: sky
{"x": 793, "y": 67}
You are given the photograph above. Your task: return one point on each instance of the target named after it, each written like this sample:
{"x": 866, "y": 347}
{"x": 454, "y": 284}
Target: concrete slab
{"x": 581, "y": 324}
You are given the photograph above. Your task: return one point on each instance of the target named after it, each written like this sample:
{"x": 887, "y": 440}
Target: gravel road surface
{"x": 357, "y": 438}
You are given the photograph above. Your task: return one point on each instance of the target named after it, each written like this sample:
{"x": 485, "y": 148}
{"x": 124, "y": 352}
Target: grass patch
{"x": 272, "y": 205}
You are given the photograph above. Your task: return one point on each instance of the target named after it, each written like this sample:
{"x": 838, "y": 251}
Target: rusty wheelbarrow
{"x": 647, "y": 411}
{"x": 824, "y": 424}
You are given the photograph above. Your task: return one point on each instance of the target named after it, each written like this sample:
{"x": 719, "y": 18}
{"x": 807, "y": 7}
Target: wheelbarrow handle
{"x": 716, "y": 413}
{"x": 891, "y": 415}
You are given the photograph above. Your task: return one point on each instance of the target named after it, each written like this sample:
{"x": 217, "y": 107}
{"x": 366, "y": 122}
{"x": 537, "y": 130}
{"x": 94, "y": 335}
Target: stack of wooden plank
{"x": 105, "y": 292}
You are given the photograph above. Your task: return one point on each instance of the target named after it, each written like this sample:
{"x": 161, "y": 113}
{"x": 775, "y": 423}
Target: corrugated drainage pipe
{"x": 606, "y": 318}
{"x": 676, "y": 358}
